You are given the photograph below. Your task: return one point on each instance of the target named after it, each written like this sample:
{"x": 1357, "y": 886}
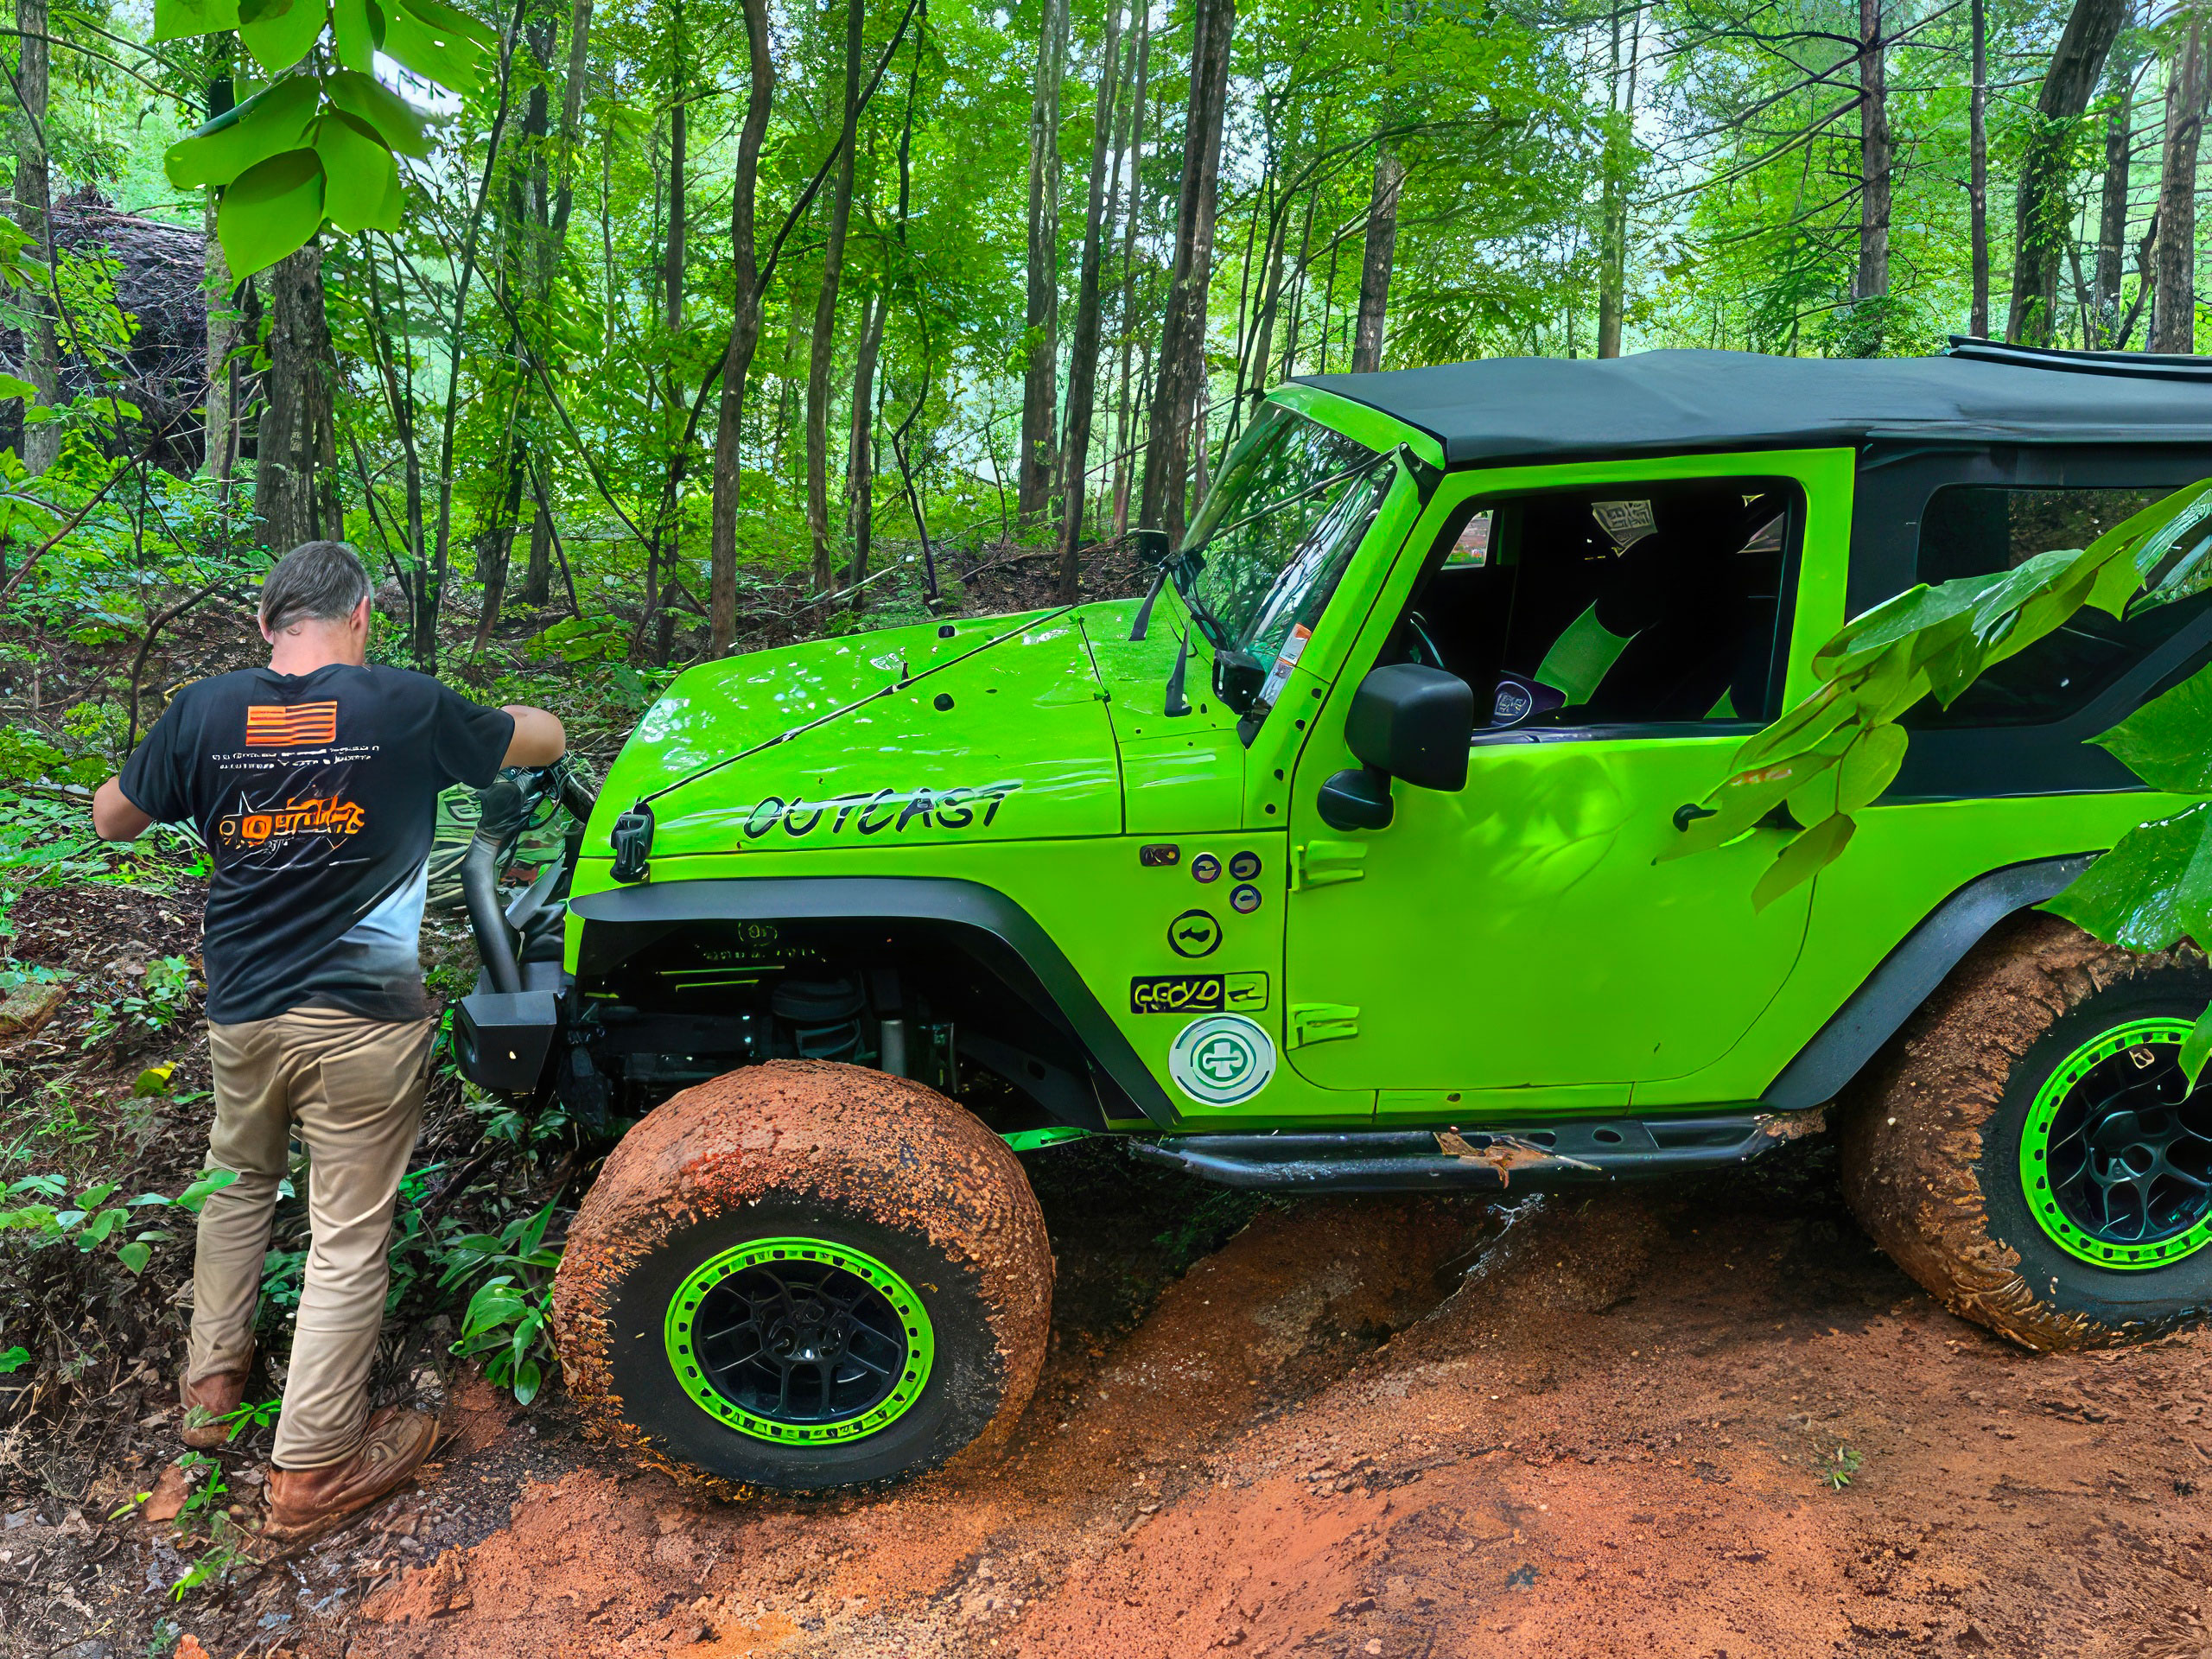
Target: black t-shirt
{"x": 317, "y": 797}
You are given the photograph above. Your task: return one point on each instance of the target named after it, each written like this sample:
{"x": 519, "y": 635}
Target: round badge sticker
{"x": 1205, "y": 868}
{"x": 1222, "y": 1060}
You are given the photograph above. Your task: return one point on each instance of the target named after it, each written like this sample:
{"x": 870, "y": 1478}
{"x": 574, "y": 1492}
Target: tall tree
{"x": 744, "y": 334}
{"x": 1620, "y": 140}
{"x": 2173, "y": 303}
{"x": 219, "y": 445}
{"x": 1040, "y": 379}
{"x": 1179, "y": 396}
{"x": 860, "y": 442}
{"x": 679, "y": 128}
{"x": 2112, "y": 218}
{"x": 1875, "y": 161}
{"x": 2043, "y": 206}
{"x": 1377, "y": 253}
{"x": 1978, "y": 173}
{"x": 295, "y": 474}
{"x": 34, "y": 213}
{"x": 824, "y": 347}
{"x": 1083, "y": 351}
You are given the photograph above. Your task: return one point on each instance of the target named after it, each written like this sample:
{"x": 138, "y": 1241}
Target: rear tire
{"x": 804, "y": 1275}
{"x": 2026, "y": 1150}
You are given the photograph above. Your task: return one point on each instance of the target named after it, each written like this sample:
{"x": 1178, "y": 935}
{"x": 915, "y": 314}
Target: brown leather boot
{"x": 305, "y": 1504}
{"x": 208, "y": 1400}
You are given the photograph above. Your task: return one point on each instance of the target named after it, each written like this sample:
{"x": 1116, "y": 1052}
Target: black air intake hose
{"x": 500, "y": 814}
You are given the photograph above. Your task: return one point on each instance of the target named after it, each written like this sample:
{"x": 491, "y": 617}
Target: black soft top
{"x": 1546, "y": 408}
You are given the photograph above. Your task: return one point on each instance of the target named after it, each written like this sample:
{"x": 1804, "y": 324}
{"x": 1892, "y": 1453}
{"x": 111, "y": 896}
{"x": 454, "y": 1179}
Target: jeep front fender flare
{"x": 1874, "y": 1013}
{"x": 621, "y": 921}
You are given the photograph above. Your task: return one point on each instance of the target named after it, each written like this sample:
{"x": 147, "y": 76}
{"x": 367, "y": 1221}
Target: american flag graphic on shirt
{"x": 290, "y": 726}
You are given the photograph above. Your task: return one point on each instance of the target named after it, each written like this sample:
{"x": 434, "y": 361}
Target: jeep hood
{"x": 989, "y": 728}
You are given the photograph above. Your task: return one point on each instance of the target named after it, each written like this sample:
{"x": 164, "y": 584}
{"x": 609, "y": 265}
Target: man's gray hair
{"x": 321, "y": 581}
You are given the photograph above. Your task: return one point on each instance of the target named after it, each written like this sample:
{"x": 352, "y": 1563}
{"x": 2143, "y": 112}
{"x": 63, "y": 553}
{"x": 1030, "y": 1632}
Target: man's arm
{"x": 538, "y": 738}
{"x": 114, "y": 818}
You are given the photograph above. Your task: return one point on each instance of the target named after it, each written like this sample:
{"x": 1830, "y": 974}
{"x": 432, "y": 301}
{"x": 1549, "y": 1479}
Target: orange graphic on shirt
{"x": 294, "y": 819}
{"x": 290, "y": 726}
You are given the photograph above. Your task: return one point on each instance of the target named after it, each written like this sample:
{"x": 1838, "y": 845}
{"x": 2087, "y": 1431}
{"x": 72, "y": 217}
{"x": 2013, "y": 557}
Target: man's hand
{"x": 115, "y": 819}
{"x": 538, "y": 738}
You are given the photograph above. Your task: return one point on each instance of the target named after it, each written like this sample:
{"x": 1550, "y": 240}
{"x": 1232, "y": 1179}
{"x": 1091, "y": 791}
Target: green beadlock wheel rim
{"x": 2116, "y": 1156}
{"x": 799, "y": 1341}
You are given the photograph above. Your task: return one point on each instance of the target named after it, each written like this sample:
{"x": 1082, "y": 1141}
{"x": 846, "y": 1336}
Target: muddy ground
{"x": 1704, "y": 1420}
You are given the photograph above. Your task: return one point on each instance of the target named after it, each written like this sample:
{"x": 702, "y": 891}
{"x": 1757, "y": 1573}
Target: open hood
{"x": 989, "y": 727}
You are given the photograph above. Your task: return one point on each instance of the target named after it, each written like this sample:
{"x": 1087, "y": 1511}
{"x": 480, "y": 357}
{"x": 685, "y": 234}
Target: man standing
{"x": 314, "y": 782}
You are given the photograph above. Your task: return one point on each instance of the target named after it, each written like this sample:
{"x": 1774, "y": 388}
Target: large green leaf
{"x": 450, "y": 22}
{"x": 269, "y": 122}
{"x": 360, "y": 180}
{"x": 279, "y": 33}
{"x": 271, "y": 211}
{"x": 357, "y": 31}
{"x": 2168, "y": 742}
{"x": 2153, "y": 889}
{"x": 180, "y": 20}
{"x": 1803, "y": 858}
{"x": 434, "y": 51}
{"x": 388, "y": 115}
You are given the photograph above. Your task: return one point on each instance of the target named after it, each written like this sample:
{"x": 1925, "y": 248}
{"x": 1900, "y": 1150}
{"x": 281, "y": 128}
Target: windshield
{"x": 1274, "y": 535}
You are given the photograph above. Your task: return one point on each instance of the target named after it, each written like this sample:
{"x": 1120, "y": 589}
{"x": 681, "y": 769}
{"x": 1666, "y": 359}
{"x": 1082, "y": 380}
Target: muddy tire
{"x": 2025, "y": 1149}
{"x": 804, "y": 1275}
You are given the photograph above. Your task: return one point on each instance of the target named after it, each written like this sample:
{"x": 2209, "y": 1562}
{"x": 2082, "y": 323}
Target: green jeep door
{"x": 1514, "y": 946}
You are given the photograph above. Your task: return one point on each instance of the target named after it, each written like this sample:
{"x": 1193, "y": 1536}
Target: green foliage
{"x": 91, "y": 1221}
{"x": 1839, "y": 749}
{"x": 157, "y": 1002}
{"x": 508, "y": 1321}
{"x": 1835, "y": 752}
{"x": 320, "y": 144}
{"x": 1839, "y": 1466}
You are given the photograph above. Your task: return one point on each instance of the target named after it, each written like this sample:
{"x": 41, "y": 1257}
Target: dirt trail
{"x": 1616, "y": 1434}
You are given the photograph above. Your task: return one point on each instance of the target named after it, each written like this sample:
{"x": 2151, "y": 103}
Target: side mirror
{"x": 1151, "y": 546}
{"x": 1413, "y": 722}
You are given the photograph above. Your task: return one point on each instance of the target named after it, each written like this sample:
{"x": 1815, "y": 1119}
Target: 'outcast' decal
{"x": 871, "y": 813}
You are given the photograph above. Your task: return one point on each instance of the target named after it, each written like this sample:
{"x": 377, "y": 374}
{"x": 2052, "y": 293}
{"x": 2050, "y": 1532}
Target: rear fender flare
{"x": 1909, "y": 974}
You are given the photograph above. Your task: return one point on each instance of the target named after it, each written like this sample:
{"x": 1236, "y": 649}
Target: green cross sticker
{"x": 1222, "y": 1060}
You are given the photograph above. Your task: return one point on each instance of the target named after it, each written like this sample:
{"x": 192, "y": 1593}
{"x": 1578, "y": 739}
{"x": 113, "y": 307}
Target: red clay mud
{"x": 1644, "y": 1425}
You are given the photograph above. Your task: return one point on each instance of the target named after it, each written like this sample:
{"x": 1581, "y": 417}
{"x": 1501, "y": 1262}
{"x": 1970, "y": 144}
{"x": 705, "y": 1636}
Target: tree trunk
{"x": 825, "y": 311}
{"x": 1381, "y": 248}
{"x": 34, "y": 209}
{"x": 1179, "y": 394}
{"x": 1179, "y": 387}
{"x": 295, "y": 477}
{"x": 218, "y": 437}
{"x": 572, "y": 113}
{"x": 495, "y": 548}
{"x": 860, "y": 443}
{"x": 1612, "y": 264}
{"x": 1978, "y": 173}
{"x": 2043, "y": 210}
{"x": 744, "y": 335}
{"x": 1874, "y": 162}
{"x": 679, "y": 125}
{"x": 2173, "y": 316}
{"x": 1040, "y": 381}
{"x": 1082, "y": 352}
{"x": 538, "y": 575}
{"x": 2111, "y": 222}
{"x": 1131, "y": 147}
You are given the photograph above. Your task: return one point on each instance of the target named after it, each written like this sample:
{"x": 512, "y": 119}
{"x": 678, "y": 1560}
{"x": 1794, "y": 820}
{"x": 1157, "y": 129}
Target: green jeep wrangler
{"x": 1334, "y": 864}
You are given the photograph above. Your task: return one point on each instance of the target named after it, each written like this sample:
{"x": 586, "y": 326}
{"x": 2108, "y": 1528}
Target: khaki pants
{"x": 353, "y": 1089}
